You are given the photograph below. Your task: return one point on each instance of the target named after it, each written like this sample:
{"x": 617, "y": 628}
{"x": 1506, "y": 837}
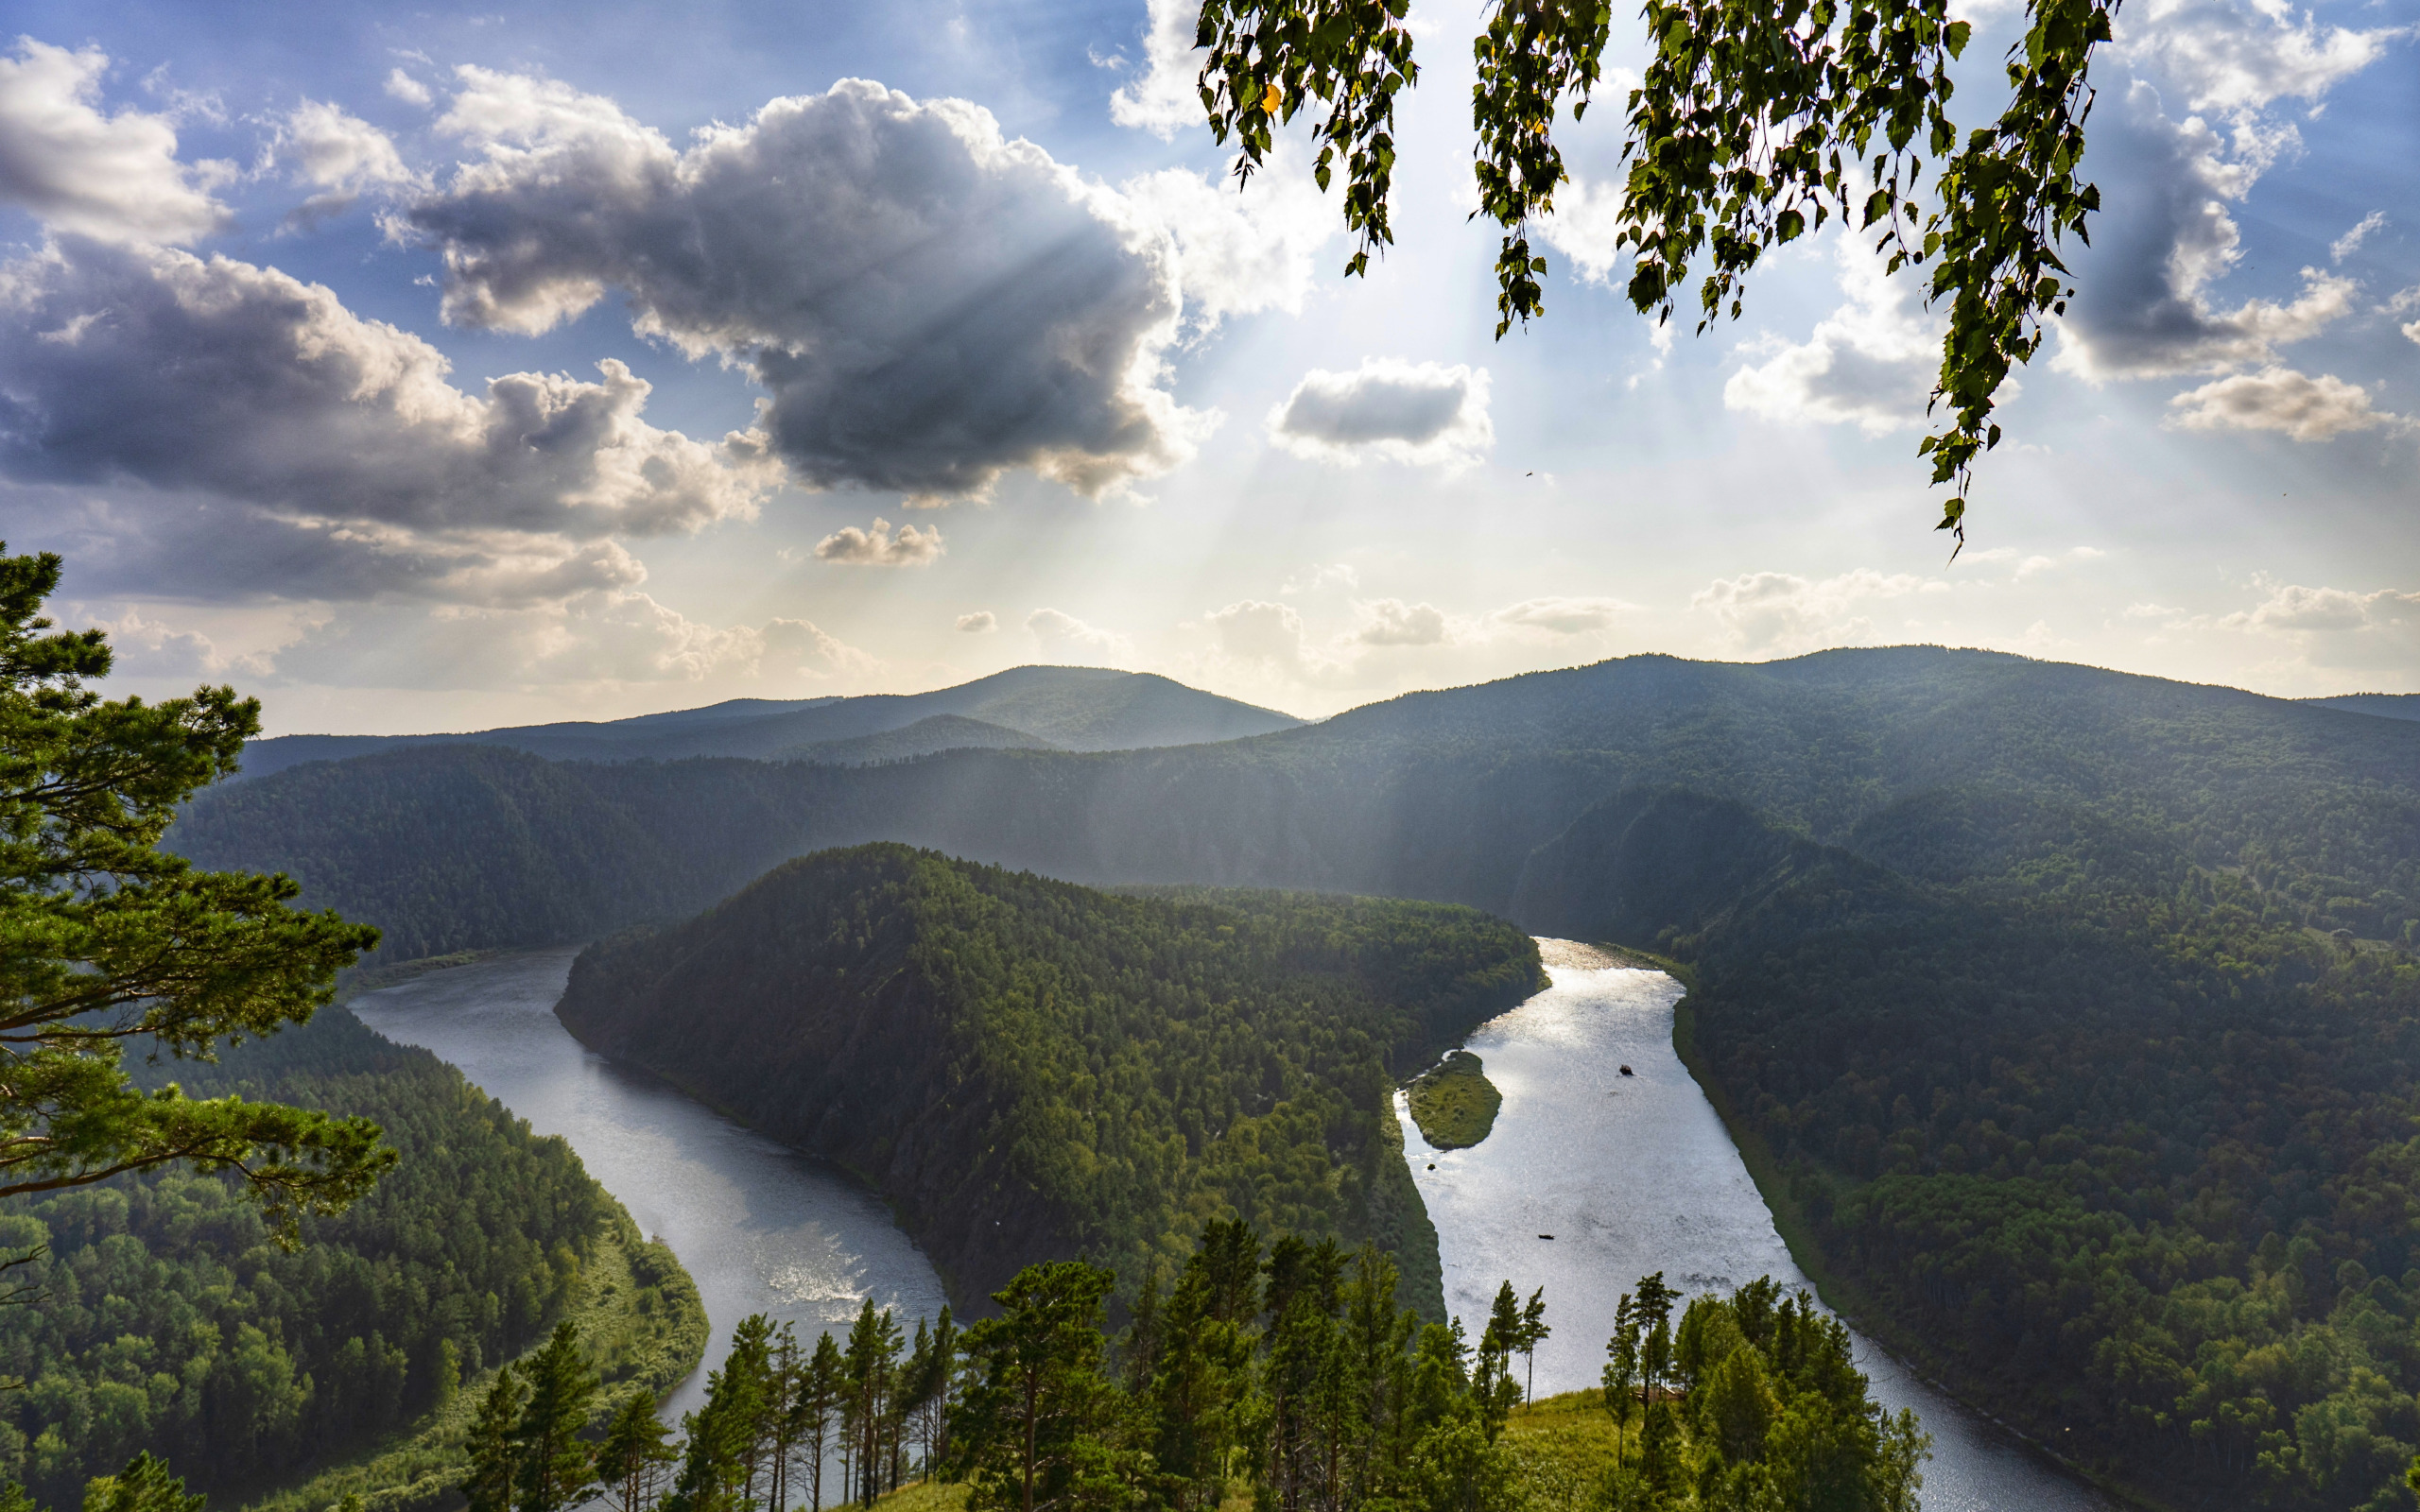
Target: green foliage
{"x": 1353, "y": 56}
{"x": 104, "y": 939}
{"x": 1289, "y": 1376}
{"x": 1025, "y": 1066}
{"x": 144, "y": 1486}
{"x": 170, "y": 1318}
{"x": 1453, "y": 1102}
{"x": 2127, "y": 1161}
{"x": 1751, "y": 126}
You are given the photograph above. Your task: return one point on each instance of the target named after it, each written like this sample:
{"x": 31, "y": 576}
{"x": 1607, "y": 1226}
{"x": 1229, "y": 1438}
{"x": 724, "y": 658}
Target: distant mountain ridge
{"x": 2074, "y": 1014}
{"x": 2384, "y": 705}
{"x": 1061, "y": 708}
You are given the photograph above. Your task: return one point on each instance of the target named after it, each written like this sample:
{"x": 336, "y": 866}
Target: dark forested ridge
{"x": 1066, "y": 708}
{"x": 167, "y": 1319}
{"x": 2077, "y": 1005}
{"x": 2385, "y": 705}
{"x": 1027, "y": 1068}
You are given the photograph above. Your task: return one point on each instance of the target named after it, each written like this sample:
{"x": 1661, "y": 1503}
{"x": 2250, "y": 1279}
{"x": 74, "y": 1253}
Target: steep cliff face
{"x": 1029, "y": 1069}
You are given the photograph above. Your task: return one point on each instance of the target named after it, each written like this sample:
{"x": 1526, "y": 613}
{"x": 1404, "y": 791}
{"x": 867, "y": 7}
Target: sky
{"x": 441, "y": 368}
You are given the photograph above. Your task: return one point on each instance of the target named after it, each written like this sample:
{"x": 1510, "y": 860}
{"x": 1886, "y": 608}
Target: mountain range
{"x": 1051, "y": 707}
{"x": 2069, "y": 1019}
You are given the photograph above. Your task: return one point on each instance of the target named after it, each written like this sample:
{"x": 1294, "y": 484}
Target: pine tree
{"x": 112, "y": 939}
{"x": 1043, "y": 1427}
{"x": 815, "y": 1402}
{"x": 558, "y": 1468}
{"x": 1534, "y": 1331}
{"x": 144, "y": 1486}
{"x": 494, "y": 1469}
{"x": 724, "y": 1435}
{"x": 631, "y": 1459}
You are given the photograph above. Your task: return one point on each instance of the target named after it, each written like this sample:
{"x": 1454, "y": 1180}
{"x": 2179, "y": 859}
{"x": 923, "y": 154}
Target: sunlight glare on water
{"x": 762, "y": 1227}
{"x": 1637, "y": 1174}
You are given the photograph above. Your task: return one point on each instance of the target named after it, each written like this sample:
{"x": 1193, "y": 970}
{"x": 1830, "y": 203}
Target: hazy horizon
{"x": 356, "y": 361}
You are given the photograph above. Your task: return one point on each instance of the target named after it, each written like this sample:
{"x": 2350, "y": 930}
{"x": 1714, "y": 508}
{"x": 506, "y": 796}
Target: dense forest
{"x": 2128, "y": 1151}
{"x": 1027, "y": 1068}
{"x": 1283, "y": 1375}
{"x": 2073, "y": 1007}
{"x": 163, "y": 1316}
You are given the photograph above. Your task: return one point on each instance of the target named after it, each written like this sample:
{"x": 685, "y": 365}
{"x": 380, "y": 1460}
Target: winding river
{"x": 1630, "y": 1174}
{"x": 762, "y": 1227}
{"x": 1637, "y": 1174}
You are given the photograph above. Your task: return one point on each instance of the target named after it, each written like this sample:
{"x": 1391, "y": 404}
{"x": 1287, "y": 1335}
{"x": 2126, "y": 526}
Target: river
{"x": 1637, "y": 1174}
{"x": 1630, "y": 1174}
{"x": 762, "y": 1227}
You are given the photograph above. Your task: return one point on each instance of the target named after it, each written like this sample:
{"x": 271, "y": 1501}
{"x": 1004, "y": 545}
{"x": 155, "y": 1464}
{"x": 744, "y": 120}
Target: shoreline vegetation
{"x": 1023, "y": 1067}
{"x": 642, "y": 1327}
{"x": 1453, "y": 1102}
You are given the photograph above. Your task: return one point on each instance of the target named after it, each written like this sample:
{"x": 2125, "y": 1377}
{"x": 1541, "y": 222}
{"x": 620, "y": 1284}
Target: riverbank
{"x": 644, "y": 1325}
{"x": 759, "y": 1227}
{"x": 1593, "y": 1180}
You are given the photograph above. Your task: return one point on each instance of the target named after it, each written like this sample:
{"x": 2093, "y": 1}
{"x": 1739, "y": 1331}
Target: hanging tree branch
{"x": 1753, "y": 124}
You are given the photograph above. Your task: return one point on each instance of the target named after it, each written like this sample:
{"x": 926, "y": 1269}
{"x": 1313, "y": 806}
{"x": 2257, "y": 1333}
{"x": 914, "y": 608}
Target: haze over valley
{"x": 1209, "y": 756}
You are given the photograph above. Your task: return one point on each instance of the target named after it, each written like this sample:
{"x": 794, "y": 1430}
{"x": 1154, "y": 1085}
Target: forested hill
{"x": 1029, "y": 1069}
{"x": 165, "y": 1319}
{"x": 1067, "y": 708}
{"x": 1950, "y": 764}
{"x": 2078, "y": 1007}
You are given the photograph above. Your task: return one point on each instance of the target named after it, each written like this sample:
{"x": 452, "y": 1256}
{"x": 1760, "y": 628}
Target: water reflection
{"x": 1637, "y": 1174}
{"x": 762, "y": 1227}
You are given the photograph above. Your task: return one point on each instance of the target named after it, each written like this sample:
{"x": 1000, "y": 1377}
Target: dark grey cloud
{"x": 930, "y": 305}
{"x": 2144, "y": 307}
{"x": 333, "y": 445}
{"x": 1420, "y": 413}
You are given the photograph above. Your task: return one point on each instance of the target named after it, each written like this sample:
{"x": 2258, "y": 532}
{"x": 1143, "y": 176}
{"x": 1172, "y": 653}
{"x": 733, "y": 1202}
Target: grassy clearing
{"x": 1454, "y": 1103}
{"x": 639, "y": 1314}
{"x": 1564, "y": 1447}
{"x": 925, "y": 1496}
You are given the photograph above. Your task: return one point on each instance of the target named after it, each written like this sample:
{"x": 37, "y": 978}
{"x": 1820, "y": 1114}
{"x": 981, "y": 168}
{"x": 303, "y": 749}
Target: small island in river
{"x": 1453, "y": 1102}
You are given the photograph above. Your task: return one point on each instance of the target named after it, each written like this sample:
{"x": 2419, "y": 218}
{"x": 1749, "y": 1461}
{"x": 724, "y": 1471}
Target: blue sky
{"x": 439, "y": 369}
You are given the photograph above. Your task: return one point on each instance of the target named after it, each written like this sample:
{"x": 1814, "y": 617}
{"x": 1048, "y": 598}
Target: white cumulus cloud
{"x": 2280, "y": 399}
{"x": 1869, "y": 363}
{"x": 82, "y": 172}
{"x": 1165, "y": 95}
{"x": 338, "y": 154}
{"x": 1783, "y": 612}
{"x": 983, "y": 622}
{"x": 1061, "y": 633}
{"x": 880, "y": 547}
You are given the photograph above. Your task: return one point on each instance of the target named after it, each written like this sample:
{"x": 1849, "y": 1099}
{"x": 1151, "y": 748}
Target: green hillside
{"x": 2076, "y": 1006}
{"x": 1029, "y": 1069}
{"x": 165, "y": 1318}
{"x": 926, "y": 736}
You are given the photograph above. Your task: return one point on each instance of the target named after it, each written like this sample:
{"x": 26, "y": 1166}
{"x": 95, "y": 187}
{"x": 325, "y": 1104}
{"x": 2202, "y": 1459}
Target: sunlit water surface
{"x": 1637, "y": 1174}
{"x": 762, "y": 1227}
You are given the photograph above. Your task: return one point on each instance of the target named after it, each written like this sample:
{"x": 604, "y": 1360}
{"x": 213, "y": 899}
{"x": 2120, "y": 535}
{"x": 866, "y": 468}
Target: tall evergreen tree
{"x": 110, "y": 940}
{"x": 816, "y": 1407}
{"x": 557, "y": 1466}
{"x": 724, "y": 1435}
{"x": 494, "y": 1469}
{"x": 1534, "y": 1331}
{"x": 633, "y": 1454}
{"x": 1041, "y": 1431}
{"x": 144, "y": 1486}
